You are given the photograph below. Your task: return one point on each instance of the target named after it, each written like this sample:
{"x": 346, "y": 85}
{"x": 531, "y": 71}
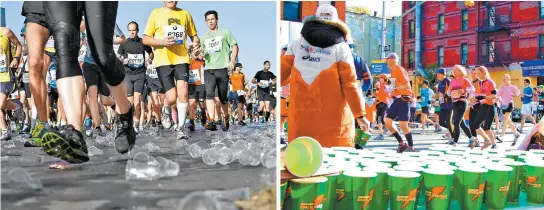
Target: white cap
{"x": 327, "y": 12}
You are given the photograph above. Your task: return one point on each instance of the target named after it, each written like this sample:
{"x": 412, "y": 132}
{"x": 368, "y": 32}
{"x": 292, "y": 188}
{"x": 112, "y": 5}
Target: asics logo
{"x": 311, "y": 59}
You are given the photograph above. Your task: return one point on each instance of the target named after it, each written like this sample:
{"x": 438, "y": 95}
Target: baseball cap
{"x": 392, "y": 56}
{"x": 441, "y": 71}
{"x": 327, "y": 12}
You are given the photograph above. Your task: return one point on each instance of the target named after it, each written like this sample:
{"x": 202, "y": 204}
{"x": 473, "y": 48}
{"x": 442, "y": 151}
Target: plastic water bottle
{"x": 88, "y": 123}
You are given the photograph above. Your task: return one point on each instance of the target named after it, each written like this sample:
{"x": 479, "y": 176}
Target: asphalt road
{"x": 101, "y": 184}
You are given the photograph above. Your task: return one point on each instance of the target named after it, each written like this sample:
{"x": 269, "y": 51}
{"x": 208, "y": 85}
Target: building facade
{"x": 2, "y": 17}
{"x": 366, "y": 31}
{"x": 292, "y": 13}
{"x": 504, "y": 36}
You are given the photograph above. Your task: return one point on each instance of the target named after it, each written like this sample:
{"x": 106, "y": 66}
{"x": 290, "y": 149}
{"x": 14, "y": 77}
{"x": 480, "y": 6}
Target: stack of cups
{"x": 498, "y": 183}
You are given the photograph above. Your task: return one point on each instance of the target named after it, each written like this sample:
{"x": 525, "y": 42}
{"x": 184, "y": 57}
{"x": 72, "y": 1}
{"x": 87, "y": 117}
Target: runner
{"x": 155, "y": 90}
{"x": 323, "y": 82}
{"x": 526, "y": 108}
{"x": 426, "y": 95}
{"x": 457, "y": 92}
{"x": 400, "y": 108}
{"x": 263, "y": 79}
{"x": 238, "y": 81}
{"x": 133, "y": 54}
{"x": 485, "y": 96}
{"x": 65, "y": 19}
{"x": 507, "y": 93}
{"x": 197, "y": 91}
{"x": 166, "y": 31}
{"x": 445, "y": 104}
{"x": 8, "y": 63}
{"x": 382, "y": 97}
{"x": 220, "y": 50}
{"x": 273, "y": 102}
{"x": 540, "y": 107}
{"x": 24, "y": 89}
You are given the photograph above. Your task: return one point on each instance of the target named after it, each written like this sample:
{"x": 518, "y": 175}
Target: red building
{"x": 498, "y": 34}
{"x": 296, "y": 11}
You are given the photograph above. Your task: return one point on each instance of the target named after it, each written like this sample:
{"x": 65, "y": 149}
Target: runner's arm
{"x": 119, "y": 40}
{"x": 13, "y": 39}
{"x": 287, "y": 62}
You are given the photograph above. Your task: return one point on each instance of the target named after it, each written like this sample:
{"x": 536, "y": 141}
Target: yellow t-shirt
{"x": 163, "y": 22}
{"x": 5, "y": 57}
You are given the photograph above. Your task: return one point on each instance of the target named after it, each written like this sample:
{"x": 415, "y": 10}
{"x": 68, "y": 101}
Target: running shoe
{"x": 211, "y": 126}
{"x": 242, "y": 123}
{"x": 494, "y": 146}
{"x": 402, "y": 147}
{"x": 516, "y": 137}
{"x": 26, "y": 129}
{"x": 160, "y": 126}
{"x": 410, "y": 149}
{"x": 447, "y": 136}
{"x": 98, "y": 132}
{"x": 68, "y": 145}
{"x": 191, "y": 125}
{"x": 499, "y": 139}
{"x": 153, "y": 122}
{"x": 36, "y": 135}
{"x": 181, "y": 135}
{"x": 5, "y": 136}
{"x": 472, "y": 142}
{"x": 519, "y": 130}
{"x": 125, "y": 136}
{"x": 175, "y": 127}
{"x": 136, "y": 123}
{"x": 225, "y": 124}
{"x": 379, "y": 137}
{"x": 487, "y": 143}
{"x": 451, "y": 141}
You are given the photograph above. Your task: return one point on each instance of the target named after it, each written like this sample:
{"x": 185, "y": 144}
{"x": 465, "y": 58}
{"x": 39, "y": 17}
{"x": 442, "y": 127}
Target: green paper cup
{"x": 516, "y": 180}
{"x": 427, "y": 163}
{"x": 493, "y": 151}
{"x": 419, "y": 201}
{"x": 534, "y": 171}
{"x": 303, "y": 156}
{"x": 381, "y": 189}
{"x": 374, "y": 163}
{"x": 437, "y": 184}
{"x": 460, "y": 149}
{"x": 499, "y": 155}
{"x": 362, "y": 188}
{"x": 453, "y": 152}
{"x": 537, "y": 151}
{"x": 513, "y": 155}
{"x": 472, "y": 182}
{"x": 439, "y": 149}
{"x": 455, "y": 182}
{"x": 498, "y": 183}
{"x": 410, "y": 163}
{"x": 330, "y": 189}
{"x": 476, "y": 151}
{"x": 404, "y": 187}
{"x": 391, "y": 160}
{"x": 383, "y": 151}
{"x": 342, "y": 201}
{"x": 361, "y": 138}
{"x": 308, "y": 193}
{"x": 283, "y": 188}
{"x": 431, "y": 153}
{"x": 497, "y": 160}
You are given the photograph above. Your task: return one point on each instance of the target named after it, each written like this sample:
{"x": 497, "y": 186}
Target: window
{"x": 291, "y": 10}
{"x": 464, "y": 53}
{"x": 411, "y": 29}
{"x": 411, "y": 4}
{"x": 491, "y": 51}
{"x": 411, "y": 59}
{"x": 326, "y": 2}
{"x": 440, "y": 24}
{"x": 464, "y": 20}
{"x": 440, "y": 60}
{"x": 491, "y": 16}
{"x": 541, "y": 46}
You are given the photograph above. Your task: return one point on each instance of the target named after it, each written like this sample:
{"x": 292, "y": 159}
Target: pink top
{"x": 459, "y": 87}
{"x": 507, "y": 94}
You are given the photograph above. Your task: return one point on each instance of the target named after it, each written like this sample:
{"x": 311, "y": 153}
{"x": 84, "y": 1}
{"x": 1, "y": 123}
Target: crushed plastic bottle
{"x": 268, "y": 158}
{"x": 225, "y": 156}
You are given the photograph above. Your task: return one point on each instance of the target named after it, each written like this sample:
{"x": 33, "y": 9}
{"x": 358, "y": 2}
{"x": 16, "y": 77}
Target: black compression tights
{"x": 459, "y": 109}
{"x": 217, "y": 78}
{"x": 444, "y": 118}
{"x": 64, "y": 18}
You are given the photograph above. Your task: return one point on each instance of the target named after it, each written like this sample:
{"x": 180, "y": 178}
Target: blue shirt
{"x": 88, "y": 58}
{"x": 53, "y": 75}
{"x": 527, "y": 95}
{"x": 443, "y": 88}
{"x": 425, "y": 94}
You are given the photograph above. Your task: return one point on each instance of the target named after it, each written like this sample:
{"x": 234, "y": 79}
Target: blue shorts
{"x": 399, "y": 110}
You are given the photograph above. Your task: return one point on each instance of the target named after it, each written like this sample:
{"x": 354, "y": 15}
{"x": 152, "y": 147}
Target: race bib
{"x": 3, "y": 63}
{"x": 50, "y": 43}
{"x": 176, "y": 31}
{"x": 53, "y": 72}
{"x": 423, "y": 100}
{"x": 26, "y": 78}
{"x": 214, "y": 44}
{"x": 441, "y": 100}
{"x": 263, "y": 83}
{"x": 194, "y": 76}
{"x": 540, "y": 107}
{"x": 82, "y": 52}
{"x": 455, "y": 94}
{"x": 152, "y": 73}
{"x": 241, "y": 92}
{"x": 135, "y": 60}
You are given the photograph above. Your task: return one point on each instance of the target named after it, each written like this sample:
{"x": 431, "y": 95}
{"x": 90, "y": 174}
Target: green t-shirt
{"x": 216, "y": 46}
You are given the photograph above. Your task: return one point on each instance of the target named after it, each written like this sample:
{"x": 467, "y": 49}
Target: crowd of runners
{"x": 75, "y": 74}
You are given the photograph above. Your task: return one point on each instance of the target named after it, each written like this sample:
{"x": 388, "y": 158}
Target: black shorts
{"x": 381, "y": 108}
{"x": 34, "y": 12}
{"x": 53, "y": 96}
{"x": 399, "y": 110}
{"x": 249, "y": 107}
{"x": 135, "y": 83}
{"x": 272, "y": 103}
{"x": 263, "y": 95}
{"x": 197, "y": 92}
{"x": 169, "y": 74}
{"x": 507, "y": 108}
{"x": 93, "y": 76}
{"x": 26, "y": 87}
{"x": 154, "y": 85}
{"x": 240, "y": 98}
{"x": 425, "y": 110}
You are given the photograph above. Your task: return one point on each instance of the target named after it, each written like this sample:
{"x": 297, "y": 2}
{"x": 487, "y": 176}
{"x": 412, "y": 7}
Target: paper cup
{"x": 437, "y": 184}
{"x": 404, "y": 187}
{"x": 472, "y": 182}
{"x": 362, "y": 188}
{"x": 381, "y": 188}
{"x": 534, "y": 171}
{"x": 516, "y": 180}
{"x": 308, "y": 193}
{"x": 498, "y": 183}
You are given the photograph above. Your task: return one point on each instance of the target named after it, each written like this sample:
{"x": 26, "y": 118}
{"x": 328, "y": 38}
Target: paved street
{"x": 101, "y": 184}
{"x": 429, "y": 137}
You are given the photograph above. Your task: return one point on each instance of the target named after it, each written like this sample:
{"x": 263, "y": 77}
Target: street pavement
{"x": 423, "y": 140}
{"x": 101, "y": 184}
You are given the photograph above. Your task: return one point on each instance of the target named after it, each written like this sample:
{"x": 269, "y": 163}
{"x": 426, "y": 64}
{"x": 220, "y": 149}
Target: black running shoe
{"x": 499, "y": 139}
{"x": 125, "y": 136}
{"x": 160, "y": 126}
{"x": 242, "y": 123}
{"x": 211, "y": 126}
{"x": 68, "y": 144}
{"x": 191, "y": 125}
{"x": 225, "y": 124}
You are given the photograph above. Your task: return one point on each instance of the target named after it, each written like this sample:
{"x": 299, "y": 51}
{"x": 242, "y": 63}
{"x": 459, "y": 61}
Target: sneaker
{"x": 191, "y": 125}
{"x": 181, "y": 135}
{"x": 211, "y": 126}
{"x": 519, "y": 130}
{"x": 379, "y": 137}
{"x": 494, "y": 146}
{"x": 225, "y": 124}
{"x": 451, "y": 142}
{"x": 242, "y": 123}
{"x": 402, "y": 147}
{"x": 26, "y": 129}
{"x": 447, "y": 136}
{"x": 410, "y": 149}
{"x": 472, "y": 142}
{"x": 98, "y": 132}
{"x": 136, "y": 123}
{"x": 516, "y": 137}
{"x": 36, "y": 135}
{"x": 486, "y": 144}
{"x": 68, "y": 145}
{"x": 160, "y": 126}
{"x": 125, "y": 136}
{"x": 5, "y": 136}
{"x": 175, "y": 127}
{"x": 153, "y": 122}
{"x": 499, "y": 139}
